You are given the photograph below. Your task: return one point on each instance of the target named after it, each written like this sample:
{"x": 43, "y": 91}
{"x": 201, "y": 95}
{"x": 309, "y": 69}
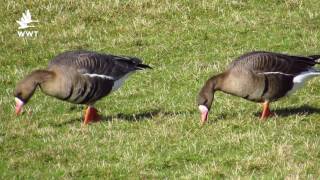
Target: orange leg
{"x": 266, "y": 111}
{"x": 91, "y": 115}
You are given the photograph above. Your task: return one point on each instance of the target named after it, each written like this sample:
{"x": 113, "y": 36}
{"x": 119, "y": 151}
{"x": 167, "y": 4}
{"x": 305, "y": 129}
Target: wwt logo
{"x": 24, "y": 23}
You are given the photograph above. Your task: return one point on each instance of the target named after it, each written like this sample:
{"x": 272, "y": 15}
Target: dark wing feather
{"x": 97, "y": 63}
{"x": 261, "y": 61}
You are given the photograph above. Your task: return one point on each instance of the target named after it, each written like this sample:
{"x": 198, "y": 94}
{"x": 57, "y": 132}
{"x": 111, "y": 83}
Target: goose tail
{"x": 316, "y": 58}
{"x": 143, "y": 66}
{"x": 138, "y": 64}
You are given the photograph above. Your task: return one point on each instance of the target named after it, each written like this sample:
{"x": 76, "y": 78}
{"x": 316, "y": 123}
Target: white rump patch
{"x": 99, "y": 76}
{"x": 299, "y": 80}
{"x": 118, "y": 83}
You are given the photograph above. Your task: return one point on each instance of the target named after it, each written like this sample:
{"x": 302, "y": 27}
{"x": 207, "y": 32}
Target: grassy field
{"x": 151, "y": 125}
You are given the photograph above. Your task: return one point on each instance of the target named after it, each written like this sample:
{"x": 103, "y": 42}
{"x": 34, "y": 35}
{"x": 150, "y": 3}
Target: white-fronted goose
{"x": 80, "y": 77}
{"x": 260, "y": 77}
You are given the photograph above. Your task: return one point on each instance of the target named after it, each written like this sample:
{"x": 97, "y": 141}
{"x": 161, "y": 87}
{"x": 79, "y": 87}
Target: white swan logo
{"x": 24, "y": 23}
{"x": 25, "y": 20}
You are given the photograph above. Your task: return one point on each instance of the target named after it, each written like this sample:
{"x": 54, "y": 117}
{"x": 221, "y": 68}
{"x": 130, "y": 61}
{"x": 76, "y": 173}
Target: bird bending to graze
{"x": 260, "y": 77}
{"x": 79, "y": 77}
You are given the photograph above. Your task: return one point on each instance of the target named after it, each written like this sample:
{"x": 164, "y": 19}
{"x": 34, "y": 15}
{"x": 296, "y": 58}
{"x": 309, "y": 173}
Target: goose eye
{"x": 18, "y": 94}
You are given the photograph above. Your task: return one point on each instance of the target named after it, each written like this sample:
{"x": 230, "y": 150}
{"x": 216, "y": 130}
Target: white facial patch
{"x": 19, "y": 105}
{"x": 203, "y": 109}
{"x": 18, "y": 101}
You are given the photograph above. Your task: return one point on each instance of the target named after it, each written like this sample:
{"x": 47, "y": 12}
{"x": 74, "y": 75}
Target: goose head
{"x": 206, "y": 97}
{"x": 23, "y": 92}
{"x": 27, "y": 86}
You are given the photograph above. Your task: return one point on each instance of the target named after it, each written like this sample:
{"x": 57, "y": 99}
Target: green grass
{"x": 152, "y": 127}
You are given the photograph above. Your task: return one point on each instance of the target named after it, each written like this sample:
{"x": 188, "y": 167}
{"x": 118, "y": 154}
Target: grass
{"x": 152, "y": 127}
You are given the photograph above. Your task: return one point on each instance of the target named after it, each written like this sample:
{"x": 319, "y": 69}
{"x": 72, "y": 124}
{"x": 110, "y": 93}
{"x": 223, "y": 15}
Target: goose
{"x": 259, "y": 76}
{"x": 79, "y": 77}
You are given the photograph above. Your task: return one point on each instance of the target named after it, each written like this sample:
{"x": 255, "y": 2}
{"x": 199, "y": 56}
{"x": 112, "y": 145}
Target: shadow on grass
{"x": 302, "y": 110}
{"x": 69, "y": 121}
{"x": 148, "y": 115}
{"x": 217, "y": 117}
{"x": 143, "y": 116}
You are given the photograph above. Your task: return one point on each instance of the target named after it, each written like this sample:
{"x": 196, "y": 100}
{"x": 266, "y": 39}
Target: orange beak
{"x": 19, "y": 105}
{"x": 204, "y": 114}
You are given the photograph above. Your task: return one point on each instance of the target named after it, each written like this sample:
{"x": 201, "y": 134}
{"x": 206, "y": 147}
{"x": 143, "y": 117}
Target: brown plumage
{"x": 80, "y": 77}
{"x": 260, "y": 77}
